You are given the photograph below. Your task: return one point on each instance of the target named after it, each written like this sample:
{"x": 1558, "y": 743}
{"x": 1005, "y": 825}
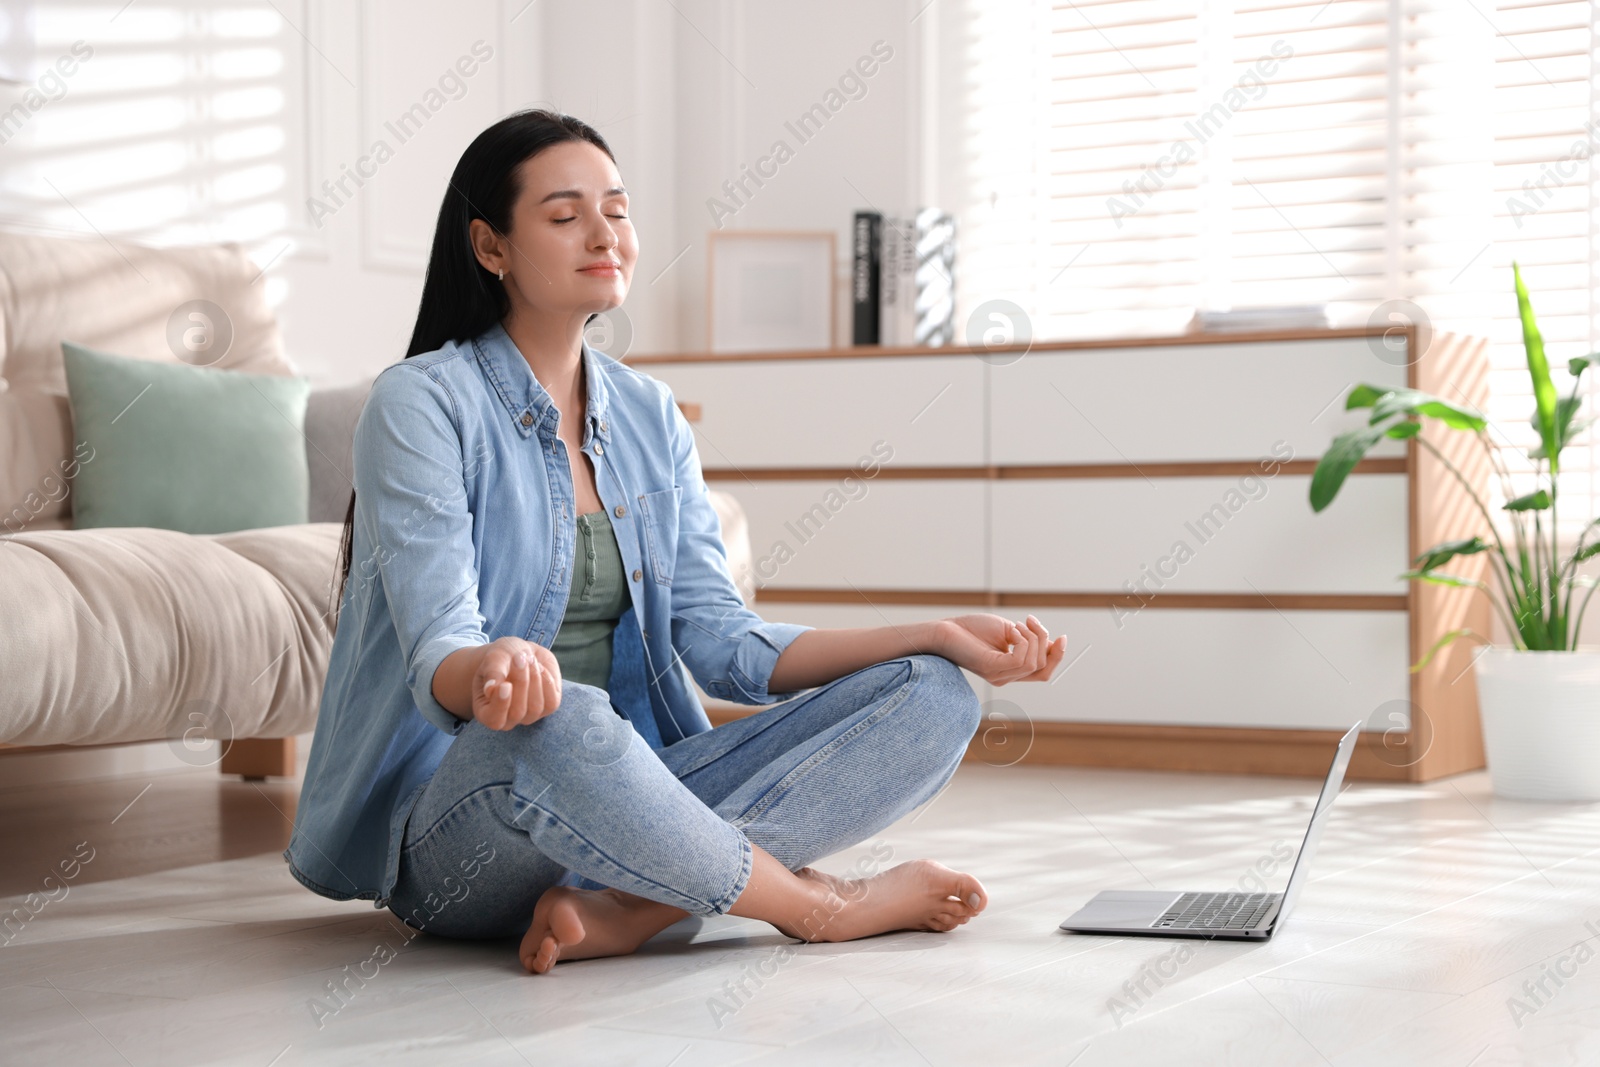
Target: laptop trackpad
{"x": 1122, "y": 907}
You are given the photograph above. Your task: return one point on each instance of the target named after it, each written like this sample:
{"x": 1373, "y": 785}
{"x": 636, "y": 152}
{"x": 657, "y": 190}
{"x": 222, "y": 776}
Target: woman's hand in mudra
{"x": 517, "y": 682}
{"x": 1000, "y": 650}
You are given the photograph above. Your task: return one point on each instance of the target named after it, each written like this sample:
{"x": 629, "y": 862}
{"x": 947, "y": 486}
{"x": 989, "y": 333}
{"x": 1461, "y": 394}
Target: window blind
{"x": 1544, "y": 218}
{"x": 164, "y": 125}
{"x": 1127, "y": 161}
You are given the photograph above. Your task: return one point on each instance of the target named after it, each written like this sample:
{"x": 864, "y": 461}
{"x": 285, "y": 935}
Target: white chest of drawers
{"x": 1149, "y": 499}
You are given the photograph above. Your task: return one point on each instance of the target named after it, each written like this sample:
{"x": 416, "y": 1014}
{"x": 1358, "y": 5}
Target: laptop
{"x": 1221, "y": 916}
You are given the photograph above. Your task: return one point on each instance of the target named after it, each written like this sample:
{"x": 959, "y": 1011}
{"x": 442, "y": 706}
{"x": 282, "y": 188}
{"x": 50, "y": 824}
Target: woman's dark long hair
{"x": 460, "y": 299}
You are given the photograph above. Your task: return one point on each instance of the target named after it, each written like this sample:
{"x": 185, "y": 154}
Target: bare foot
{"x": 581, "y": 924}
{"x": 917, "y": 895}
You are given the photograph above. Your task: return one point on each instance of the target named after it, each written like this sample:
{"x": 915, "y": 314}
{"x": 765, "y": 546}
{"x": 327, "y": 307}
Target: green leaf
{"x": 1537, "y": 501}
{"x": 1402, "y": 430}
{"x": 1583, "y": 552}
{"x": 1446, "y": 551}
{"x": 1544, "y": 391}
{"x": 1437, "y": 645}
{"x": 1414, "y": 402}
{"x": 1569, "y": 431}
{"x": 1335, "y": 466}
{"x": 1444, "y": 579}
{"x": 1578, "y": 365}
{"x": 1566, "y": 407}
{"x": 1363, "y": 396}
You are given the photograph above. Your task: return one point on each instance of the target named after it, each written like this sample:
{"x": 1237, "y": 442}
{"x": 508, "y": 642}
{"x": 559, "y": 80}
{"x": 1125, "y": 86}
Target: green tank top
{"x": 598, "y": 597}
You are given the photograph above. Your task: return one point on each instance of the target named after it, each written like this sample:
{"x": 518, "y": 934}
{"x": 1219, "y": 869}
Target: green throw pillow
{"x": 185, "y": 448}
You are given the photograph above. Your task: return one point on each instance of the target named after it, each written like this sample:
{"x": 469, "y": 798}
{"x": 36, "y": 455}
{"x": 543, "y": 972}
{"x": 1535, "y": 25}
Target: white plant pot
{"x": 1541, "y": 723}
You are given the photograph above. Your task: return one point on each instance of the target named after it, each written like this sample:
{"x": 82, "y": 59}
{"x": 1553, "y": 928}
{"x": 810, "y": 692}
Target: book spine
{"x": 865, "y": 284}
{"x": 909, "y": 289}
{"x": 935, "y": 268}
{"x": 890, "y": 293}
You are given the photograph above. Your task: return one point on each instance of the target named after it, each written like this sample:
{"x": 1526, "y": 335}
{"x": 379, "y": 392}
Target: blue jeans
{"x": 578, "y": 798}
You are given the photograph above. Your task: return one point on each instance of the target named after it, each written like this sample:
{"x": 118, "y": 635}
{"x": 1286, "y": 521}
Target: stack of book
{"x": 1257, "y": 319}
{"x": 903, "y": 278}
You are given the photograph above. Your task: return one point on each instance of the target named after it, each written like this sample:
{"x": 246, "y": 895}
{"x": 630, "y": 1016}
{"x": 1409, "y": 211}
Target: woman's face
{"x": 571, "y": 247}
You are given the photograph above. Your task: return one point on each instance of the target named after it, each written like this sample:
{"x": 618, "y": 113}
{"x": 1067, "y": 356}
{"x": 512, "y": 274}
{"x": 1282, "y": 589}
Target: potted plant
{"x": 1539, "y": 698}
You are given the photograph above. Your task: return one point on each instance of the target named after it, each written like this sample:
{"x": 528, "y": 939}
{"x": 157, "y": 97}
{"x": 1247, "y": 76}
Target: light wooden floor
{"x": 185, "y": 941}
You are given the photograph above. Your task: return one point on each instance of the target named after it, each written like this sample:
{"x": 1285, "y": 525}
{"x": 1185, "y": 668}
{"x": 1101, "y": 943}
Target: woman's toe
{"x": 971, "y": 893}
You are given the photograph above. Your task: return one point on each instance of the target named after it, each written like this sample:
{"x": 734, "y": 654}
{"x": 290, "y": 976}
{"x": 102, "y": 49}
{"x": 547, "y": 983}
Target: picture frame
{"x": 770, "y": 290}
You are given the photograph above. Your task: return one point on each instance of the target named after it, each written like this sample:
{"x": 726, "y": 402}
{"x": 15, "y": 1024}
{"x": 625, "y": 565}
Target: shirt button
{"x": 599, "y": 449}
{"x": 527, "y": 419}
{"x": 602, "y": 424}
{"x": 621, "y": 511}
{"x": 637, "y": 574}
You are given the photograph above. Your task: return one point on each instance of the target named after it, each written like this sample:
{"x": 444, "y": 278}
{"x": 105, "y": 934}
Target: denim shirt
{"x": 464, "y": 532}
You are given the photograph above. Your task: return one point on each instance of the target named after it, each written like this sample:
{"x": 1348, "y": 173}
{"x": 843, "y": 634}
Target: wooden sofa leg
{"x": 257, "y": 757}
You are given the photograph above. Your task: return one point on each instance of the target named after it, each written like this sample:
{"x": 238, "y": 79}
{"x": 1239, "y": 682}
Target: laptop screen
{"x": 1319, "y": 819}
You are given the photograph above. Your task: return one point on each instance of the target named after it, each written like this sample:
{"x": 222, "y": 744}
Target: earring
{"x": 502, "y": 274}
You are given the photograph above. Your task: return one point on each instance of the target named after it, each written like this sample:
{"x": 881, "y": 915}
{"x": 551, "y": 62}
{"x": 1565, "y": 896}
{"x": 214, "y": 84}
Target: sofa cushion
{"x": 118, "y": 297}
{"x": 331, "y": 416}
{"x": 139, "y": 634}
{"x": 128, "y": 298}
{"x": 129, "y": 634}
{"x": 185, "y": 448}
{"x": 37, "y": 460}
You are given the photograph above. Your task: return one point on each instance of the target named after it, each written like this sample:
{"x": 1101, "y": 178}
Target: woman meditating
{"x": 508, "y": 743}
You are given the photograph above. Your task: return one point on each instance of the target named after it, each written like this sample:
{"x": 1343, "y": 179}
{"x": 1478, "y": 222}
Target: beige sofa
{"x": 134, "y": 634}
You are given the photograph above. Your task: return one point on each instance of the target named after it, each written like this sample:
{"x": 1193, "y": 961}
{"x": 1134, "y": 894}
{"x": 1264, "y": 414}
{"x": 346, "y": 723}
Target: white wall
{"x": 352, "y": 279}
{"x": 742, "y": 89}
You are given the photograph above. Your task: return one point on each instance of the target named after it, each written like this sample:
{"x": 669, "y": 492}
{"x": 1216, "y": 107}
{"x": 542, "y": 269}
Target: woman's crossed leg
{"x": 626, "y": 841}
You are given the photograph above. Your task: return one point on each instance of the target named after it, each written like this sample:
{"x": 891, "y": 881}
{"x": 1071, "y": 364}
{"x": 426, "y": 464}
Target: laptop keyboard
{"x": 1216, "y": 911}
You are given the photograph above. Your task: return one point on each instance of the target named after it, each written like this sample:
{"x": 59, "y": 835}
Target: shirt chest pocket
{"x": 660, "y": 512}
